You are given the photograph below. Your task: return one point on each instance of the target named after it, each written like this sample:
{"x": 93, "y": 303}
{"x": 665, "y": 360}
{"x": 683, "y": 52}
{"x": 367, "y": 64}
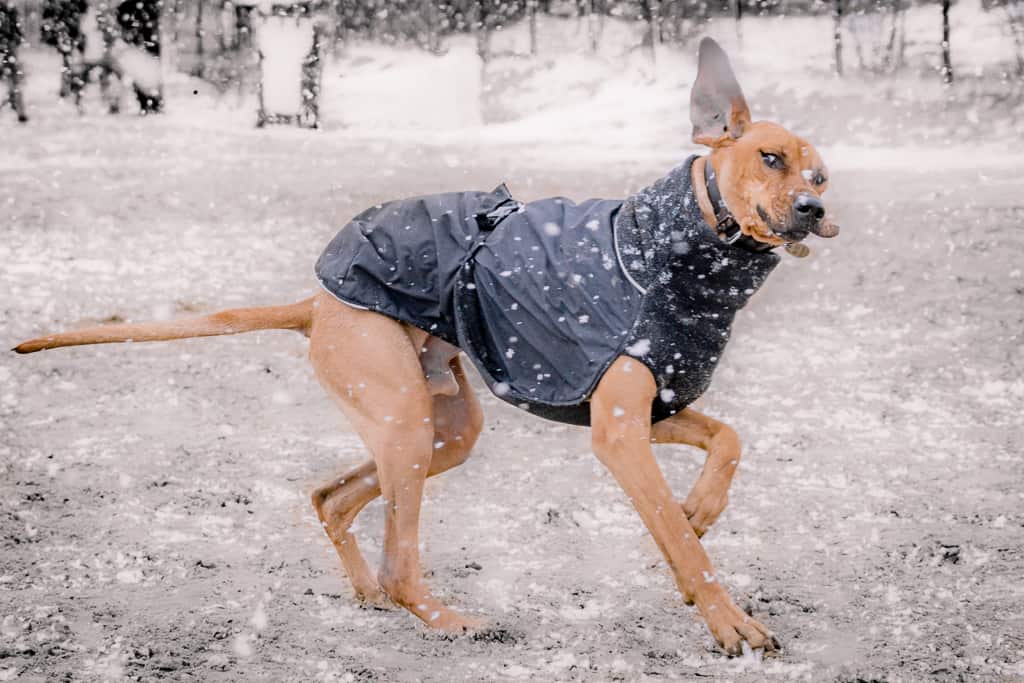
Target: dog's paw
{"x": 455, "y": 625}
{"x": 704, "y": 505}
{"x": 735, "y": 630}
{"x": 372, "y": 597}
{"x": 459, "y": 624}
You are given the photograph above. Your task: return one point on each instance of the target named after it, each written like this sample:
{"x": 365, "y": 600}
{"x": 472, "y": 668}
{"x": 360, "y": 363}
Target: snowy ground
{"x": 154, "y": 518}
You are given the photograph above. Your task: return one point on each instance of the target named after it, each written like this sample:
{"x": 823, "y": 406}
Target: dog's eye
{"x": 814, "y": 177}
{"x": 773, "y": 161}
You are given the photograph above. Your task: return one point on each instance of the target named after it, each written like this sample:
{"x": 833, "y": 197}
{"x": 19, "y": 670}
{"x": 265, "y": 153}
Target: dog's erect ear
{"x": 718, "y": 110}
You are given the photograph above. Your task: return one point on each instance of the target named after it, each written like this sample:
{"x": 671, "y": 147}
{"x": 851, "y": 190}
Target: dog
{"x": 607, "y": 313}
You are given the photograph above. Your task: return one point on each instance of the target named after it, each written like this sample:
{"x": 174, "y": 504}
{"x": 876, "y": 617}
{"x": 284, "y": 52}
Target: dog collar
{"x": 728, "y": 229}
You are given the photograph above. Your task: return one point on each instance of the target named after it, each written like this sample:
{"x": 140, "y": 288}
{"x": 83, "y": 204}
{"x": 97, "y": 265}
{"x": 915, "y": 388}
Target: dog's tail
{"x": 297, "y": 316}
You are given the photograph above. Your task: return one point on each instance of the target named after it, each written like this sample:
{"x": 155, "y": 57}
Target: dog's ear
{"x": 718, "y": 110}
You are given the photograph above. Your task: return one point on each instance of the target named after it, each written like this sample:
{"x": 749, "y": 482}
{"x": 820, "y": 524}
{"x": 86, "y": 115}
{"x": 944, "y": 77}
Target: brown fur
{"x": 291, "y": 317}
{"x": 747, "y": 183}
{"x": 406, "y": 395}
{"x": 721, "y": 120}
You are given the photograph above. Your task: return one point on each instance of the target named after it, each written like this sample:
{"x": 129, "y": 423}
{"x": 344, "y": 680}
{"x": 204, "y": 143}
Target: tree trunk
{"x": 659, "y": 19}
{"x": 177, "y": 10}
{"x": 483, "y": 33}
{"x": 594, "y": 25}
{"x": 837, "y": 36}
{"x": 902, "y": 51}
{"x": 890, "y": 48}
{"x": 1015, "y": 18}
{"x": 649, "y": 12}
{"x": 531, "y": 10}
{"x": 431, "y": 27}
{"x": 947, "y": 64}
{"x": 1018, "y": 39}
{"x": 200, "y": 67}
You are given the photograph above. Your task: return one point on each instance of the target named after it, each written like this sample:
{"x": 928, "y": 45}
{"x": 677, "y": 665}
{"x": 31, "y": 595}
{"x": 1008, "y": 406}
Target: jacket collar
{"x": 662, "y": 228}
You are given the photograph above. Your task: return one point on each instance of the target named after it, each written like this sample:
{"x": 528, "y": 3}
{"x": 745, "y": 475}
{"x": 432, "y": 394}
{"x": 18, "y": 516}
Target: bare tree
{"x": 650, "y": 14}
{"x": 595, "y": 22}
{"x": 837, "y": 35}
{"x": 200, "y": 67}
{"x": 430, "y": 38}
{"x": 878, "y": 35}
{"x": 896, "y": 47}
{"x": 531, "y": 11}
{"x": 947, "y": 64}
{"x": 480, "y": 26}
{"x": 738, "y": 15}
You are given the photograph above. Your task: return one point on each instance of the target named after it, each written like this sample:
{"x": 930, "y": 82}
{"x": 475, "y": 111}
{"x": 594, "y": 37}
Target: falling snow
{"x": 155, "y": 516}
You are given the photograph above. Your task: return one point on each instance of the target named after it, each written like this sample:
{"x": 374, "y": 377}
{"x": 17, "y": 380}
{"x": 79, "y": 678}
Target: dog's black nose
{"x": 808, "y": 207}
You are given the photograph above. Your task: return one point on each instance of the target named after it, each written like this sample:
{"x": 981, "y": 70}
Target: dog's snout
{"x": 809, "y": 207}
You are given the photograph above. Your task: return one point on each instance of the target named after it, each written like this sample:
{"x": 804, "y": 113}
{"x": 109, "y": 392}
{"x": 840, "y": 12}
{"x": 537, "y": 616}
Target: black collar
{"x": 725, "y": 225}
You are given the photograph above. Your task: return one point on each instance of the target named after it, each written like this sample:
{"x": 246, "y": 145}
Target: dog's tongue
{"x": 826, "y": 228}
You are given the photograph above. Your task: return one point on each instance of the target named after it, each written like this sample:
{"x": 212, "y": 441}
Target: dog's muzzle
{"x": 809, "y": 216}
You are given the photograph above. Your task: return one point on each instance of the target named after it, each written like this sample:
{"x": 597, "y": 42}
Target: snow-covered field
{"x": 154, "y": 516}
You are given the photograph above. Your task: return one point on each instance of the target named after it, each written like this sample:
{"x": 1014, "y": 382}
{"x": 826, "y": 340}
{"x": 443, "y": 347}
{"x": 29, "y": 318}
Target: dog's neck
{"x": 716, "y": 213}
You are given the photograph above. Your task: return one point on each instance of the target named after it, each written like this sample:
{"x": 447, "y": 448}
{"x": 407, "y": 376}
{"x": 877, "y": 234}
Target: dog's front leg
{"x": 621, "y": 431}
{"x": 710, "y": 494}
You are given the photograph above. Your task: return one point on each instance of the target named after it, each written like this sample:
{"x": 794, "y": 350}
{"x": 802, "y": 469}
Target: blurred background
{"x": 576, "y": 68}
{"x": 188, "y": 156}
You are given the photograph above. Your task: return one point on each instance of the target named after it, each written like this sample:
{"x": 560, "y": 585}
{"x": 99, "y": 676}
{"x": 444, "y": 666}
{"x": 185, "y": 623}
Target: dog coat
{"x": 544, "y": 296}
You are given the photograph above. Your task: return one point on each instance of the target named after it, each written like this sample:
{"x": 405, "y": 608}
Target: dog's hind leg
{"x": 710, "y": 494}
{"x": 458, "y": 420}
{"x": 436, "y": 356}
{"x": 370, "y": 365}
{"x": 457, "y": 423}
{"x": 337, "y": 503}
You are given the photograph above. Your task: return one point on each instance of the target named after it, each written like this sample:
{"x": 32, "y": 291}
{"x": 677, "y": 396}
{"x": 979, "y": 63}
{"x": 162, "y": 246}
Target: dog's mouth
{"x": 793, "y": 233}
{"x": 798, "y": 232}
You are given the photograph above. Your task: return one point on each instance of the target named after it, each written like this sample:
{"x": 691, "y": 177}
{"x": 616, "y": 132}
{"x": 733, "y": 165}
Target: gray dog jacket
{"x": 544, "y": 296}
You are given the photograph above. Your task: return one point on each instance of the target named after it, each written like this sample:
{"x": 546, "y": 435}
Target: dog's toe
{"x": 735, "y": 630}
{"x": 374, "y": 599}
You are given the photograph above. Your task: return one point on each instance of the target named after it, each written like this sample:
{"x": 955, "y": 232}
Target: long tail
{"x": 295, "y": 316}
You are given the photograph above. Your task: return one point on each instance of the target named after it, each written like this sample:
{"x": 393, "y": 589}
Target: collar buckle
{"x": 728, "y": 230}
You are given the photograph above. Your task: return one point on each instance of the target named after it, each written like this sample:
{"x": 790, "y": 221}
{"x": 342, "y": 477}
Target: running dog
{"x": 608, "y": 313}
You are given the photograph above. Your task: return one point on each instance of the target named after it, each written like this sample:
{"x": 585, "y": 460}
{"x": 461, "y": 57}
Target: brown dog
{"x": 384, "y": 374}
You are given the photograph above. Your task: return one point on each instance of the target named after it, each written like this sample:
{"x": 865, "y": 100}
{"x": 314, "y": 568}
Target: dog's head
{"x": 771, "y": 180}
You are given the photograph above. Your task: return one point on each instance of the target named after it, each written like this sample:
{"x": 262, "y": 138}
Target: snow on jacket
{"x": 544, "y": 296}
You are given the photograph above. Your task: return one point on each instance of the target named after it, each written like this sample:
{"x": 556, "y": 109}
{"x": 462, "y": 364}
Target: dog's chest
{"x": 684, "y": 324}
{"x": 693, "y": 285}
